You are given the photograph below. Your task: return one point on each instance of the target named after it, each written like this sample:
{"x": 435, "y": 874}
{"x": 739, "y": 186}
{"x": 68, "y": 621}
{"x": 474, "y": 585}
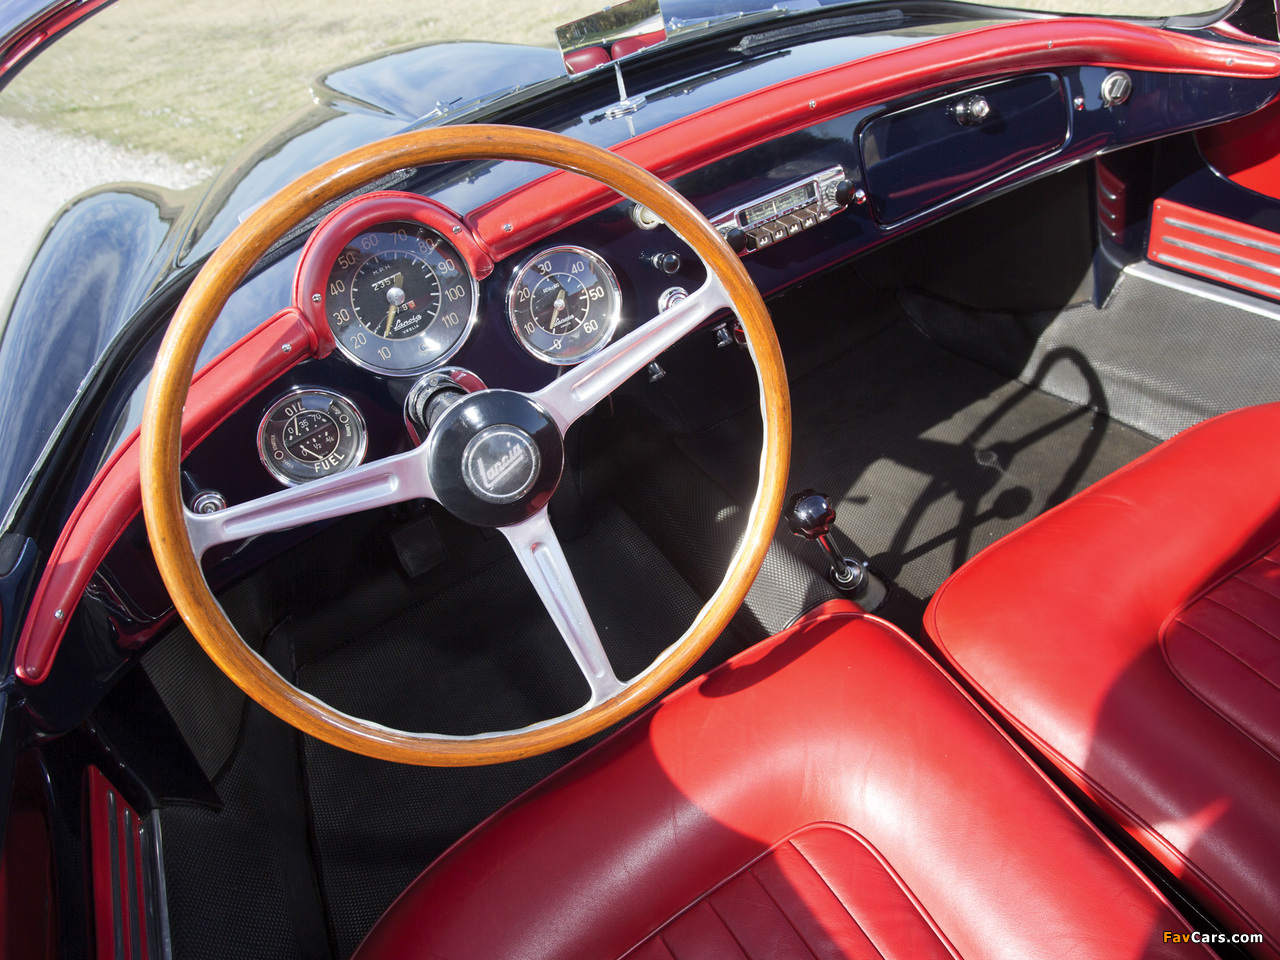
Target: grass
{"x": 195, "y": 80}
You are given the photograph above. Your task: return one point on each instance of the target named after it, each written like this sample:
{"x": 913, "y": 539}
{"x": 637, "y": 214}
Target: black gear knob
{"x": 810, "y": 515}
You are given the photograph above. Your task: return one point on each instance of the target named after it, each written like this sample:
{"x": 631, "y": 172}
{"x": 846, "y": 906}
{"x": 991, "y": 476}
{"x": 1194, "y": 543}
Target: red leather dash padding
{"x": 558, "y": 199}
{"x": 1216, "y": 247}
{"x": 696, "y": 822}
{"x": 114, "y": 497}
{"x": 1058, "y": 627}
{"x": 1225, "y": 647}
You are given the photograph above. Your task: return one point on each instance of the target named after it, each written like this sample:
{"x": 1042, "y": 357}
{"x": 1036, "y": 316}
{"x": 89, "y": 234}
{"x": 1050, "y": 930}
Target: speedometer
{"x": 399, "y": 298}
{"x": 564, "y": 304}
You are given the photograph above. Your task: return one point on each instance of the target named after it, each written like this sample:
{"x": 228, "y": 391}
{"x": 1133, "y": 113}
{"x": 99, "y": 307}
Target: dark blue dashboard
{"x": 1072, "y": 124}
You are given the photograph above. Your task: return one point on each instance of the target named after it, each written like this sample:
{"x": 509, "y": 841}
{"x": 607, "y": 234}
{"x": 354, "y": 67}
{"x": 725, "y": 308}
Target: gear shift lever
{"x": 809, "y": 514}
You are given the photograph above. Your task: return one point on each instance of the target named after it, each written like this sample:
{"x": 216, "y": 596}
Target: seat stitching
{"x": 751, "y": 872}
{"x": 728, "y": 929}
{"x": 1215, "y": 708}
{"x": 840, "y": 900}
{"x": 1265, "y": 679}
{"x": 1243, "y": 616}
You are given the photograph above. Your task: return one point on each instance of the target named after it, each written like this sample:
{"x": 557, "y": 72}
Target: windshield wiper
{"x": 823, "y": 29}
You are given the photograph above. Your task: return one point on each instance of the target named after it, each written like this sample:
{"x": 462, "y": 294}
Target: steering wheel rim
{"x": 170, "y": 526}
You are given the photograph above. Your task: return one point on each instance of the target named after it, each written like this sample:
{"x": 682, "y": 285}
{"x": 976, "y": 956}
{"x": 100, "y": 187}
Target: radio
{"x": 790, "y": 209}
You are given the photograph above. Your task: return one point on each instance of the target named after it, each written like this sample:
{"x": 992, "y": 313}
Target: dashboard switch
{"x": 1116, "y": 88}
{"x": 667, "y": 262}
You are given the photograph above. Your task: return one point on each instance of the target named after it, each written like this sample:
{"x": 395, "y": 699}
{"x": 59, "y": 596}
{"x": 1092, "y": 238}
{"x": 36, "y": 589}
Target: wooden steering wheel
{"x": 179, "y": 537}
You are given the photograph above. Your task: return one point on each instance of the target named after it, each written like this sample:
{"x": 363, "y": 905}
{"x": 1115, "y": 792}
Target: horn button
{"x": 494, "y": 458}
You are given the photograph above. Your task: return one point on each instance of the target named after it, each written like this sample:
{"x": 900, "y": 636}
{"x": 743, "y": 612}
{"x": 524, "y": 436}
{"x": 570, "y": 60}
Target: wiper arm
{"x": 822, "y": 29}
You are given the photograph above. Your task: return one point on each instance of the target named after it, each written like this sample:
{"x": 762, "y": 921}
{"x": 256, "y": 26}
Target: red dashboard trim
{"x": 115, "y": 496}
{"x": 511, "y": 222}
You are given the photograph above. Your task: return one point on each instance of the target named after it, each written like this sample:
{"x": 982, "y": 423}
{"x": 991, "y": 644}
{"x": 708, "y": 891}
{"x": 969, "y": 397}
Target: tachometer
{"x": 564, "y": 304}
{"x": 308, "y": 434}
{"x": 399, "y": 298}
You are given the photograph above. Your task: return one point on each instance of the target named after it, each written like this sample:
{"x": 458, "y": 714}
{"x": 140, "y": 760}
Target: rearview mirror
{"x": 610, "y": 35}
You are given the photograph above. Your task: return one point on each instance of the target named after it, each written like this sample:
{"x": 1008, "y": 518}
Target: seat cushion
{"x": 1130, "y": 635}
{"x": 829, "y": 793}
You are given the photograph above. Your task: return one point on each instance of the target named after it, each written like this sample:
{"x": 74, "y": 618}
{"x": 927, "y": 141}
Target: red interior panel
{"x": 1215, "y": 247}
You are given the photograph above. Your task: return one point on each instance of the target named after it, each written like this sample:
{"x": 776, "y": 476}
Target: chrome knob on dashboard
{"x": 1116, "y": 88}
{"x": 665, "y": 261}
{"x": 971, "y": 110}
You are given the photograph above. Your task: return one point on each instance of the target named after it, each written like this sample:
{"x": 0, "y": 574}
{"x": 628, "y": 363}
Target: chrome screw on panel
{"x": 670, "y": 297}
{"x": 208, "y": 501}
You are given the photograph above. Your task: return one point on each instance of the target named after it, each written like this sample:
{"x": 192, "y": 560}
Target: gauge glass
{"x": 399, "y": 298}
{"x": 309, "y": 434}
{"x": 564, "y": 304}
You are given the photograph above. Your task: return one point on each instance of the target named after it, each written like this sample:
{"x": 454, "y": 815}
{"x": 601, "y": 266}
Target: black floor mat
{"x": 928, "y": 457}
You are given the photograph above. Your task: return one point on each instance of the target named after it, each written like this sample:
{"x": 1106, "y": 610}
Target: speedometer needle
{"x": 395, "y": 297}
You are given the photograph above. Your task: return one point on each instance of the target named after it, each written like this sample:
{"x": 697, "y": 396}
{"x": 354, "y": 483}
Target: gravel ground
{"x": 42, "y": 170}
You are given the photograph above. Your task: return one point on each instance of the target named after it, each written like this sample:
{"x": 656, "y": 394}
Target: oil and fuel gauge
{"x": 311, "y": 433}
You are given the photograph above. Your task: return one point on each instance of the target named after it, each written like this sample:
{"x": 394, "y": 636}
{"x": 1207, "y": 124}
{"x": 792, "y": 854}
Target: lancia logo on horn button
{"x": 500, "y": 463}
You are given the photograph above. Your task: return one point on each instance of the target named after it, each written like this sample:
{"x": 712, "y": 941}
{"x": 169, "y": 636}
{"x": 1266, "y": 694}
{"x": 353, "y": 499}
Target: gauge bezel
{"x": 346, "y": 223}
{"x": 612, "y": 323}
{"x": 361, "y": 428}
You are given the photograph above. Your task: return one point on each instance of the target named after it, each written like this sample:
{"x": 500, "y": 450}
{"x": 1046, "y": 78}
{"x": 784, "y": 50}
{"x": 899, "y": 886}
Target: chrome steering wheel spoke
{"x": 582, "y": 387}
{"x": 378, "y": 484}
{"x": 539, "y": 553}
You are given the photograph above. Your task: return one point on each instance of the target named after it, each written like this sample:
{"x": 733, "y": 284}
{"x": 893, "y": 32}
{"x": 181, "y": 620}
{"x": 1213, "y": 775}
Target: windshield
{"x": 165, "y": 93}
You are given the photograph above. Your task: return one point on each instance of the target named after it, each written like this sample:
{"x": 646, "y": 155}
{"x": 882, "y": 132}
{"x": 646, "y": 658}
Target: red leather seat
{"x": 829, "y": 793}
{"x": 1131, "y": 635}
{"x": 629, "y": 45}
{"x": 580, "y": 61}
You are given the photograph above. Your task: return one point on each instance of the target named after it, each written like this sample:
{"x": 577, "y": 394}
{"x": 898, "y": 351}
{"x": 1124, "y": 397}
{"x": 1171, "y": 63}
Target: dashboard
{"x": 401, "y": 300}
